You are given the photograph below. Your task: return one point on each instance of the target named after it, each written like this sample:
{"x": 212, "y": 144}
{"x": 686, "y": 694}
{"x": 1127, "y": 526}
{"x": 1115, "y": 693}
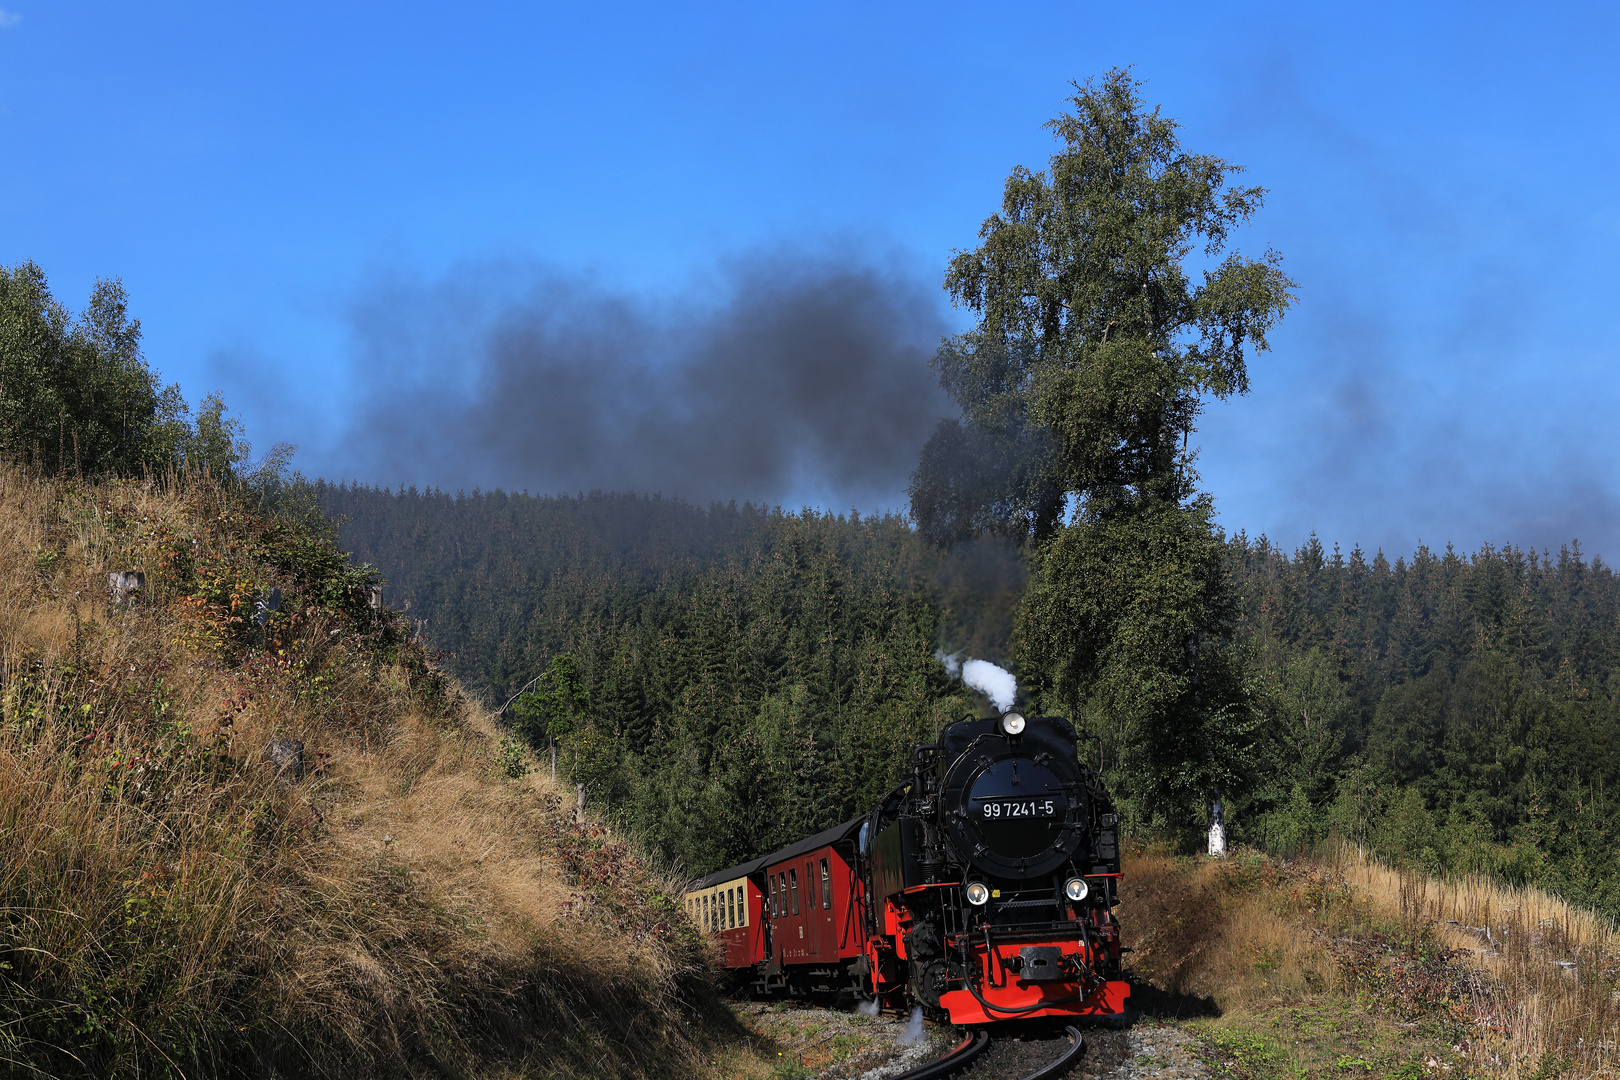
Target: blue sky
{"x": 317, "y": 206}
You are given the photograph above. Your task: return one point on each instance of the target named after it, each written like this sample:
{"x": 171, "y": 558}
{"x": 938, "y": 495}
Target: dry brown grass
{"x": 168, "y": 904}
{"x": 1214, "y": 942}
{"x": 1513, "y": 981}
{"x": 1553, "y": 969}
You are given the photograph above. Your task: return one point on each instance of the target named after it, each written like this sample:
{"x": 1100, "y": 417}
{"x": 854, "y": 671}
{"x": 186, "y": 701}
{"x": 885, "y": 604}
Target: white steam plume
{"x": 995, "y": 683}
{"x": 914, "y": 1028}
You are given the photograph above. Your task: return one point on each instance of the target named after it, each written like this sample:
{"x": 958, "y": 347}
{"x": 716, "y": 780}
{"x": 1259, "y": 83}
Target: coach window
{"x": 731, "y": 909}
{"x": 793, "y": 891}
{"x": 826, "y": 886}
{"x": 770, "y": 897}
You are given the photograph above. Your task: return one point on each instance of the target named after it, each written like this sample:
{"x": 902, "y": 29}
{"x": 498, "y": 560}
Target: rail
{"x": 977, "y": 1041}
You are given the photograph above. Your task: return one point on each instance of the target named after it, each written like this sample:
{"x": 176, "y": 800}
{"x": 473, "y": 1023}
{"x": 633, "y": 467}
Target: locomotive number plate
{"x": 1020, "y": 808}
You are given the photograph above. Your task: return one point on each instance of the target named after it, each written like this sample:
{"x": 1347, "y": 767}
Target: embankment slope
{"x": 402, "y": 896}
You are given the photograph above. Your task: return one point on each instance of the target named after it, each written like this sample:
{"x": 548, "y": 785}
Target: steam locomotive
{"x": 980, "y": 889}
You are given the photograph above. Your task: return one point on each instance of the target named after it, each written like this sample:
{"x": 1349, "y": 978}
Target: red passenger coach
{"x": 812, "y": 935}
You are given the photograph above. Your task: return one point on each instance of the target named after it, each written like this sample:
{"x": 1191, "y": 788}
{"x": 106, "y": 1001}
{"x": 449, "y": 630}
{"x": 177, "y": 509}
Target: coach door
{"x": 826, "y": 918}
{"x": 812, "y": 910}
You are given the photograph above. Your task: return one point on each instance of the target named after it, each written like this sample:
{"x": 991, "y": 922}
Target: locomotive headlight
{"x": 1012, "y": 723}
{"x": 978, "y": 893}
{"x": 1076, "y": 889}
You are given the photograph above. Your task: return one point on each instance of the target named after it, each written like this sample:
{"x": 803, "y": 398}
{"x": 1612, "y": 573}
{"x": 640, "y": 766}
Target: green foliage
{"x": 1119, "y": 616}
{"x": 78, "y": 398}
{"x": 512, "y": 758}
{"x": 216, "y": 444}
{"x": 555, "y": 707}
{"x": 75, "y": 393}
{"x": 1094, "y": 347}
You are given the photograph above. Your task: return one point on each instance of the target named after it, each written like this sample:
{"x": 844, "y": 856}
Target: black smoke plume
{"x": 786, "y": 378}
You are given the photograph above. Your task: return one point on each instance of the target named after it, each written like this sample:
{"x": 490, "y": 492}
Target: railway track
{"x": 976, "y": 1042}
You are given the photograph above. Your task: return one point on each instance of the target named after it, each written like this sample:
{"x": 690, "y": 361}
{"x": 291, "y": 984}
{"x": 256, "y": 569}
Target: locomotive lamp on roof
{"x": 981, "y": 889}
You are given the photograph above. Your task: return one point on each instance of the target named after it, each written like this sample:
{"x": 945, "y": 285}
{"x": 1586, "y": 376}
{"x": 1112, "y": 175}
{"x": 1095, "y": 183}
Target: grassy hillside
{"x": 413, "y": 901}
{"x": 1339, "y": 966}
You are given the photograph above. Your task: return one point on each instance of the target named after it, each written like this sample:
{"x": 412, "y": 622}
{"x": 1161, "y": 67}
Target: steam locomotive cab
{"x": 993, "y": 873}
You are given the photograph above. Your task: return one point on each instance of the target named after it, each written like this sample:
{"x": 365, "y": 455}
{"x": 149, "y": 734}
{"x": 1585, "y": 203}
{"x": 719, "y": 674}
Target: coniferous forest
{"x": 1455, "y": 710}
{"x": 740, "y": 677}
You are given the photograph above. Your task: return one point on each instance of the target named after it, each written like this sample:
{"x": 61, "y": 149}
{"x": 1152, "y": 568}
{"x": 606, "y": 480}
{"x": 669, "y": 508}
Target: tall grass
{"x": 1551, "y": 999}
{"x": 1519, "y": 983}
{"x": 169, "y": 904}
